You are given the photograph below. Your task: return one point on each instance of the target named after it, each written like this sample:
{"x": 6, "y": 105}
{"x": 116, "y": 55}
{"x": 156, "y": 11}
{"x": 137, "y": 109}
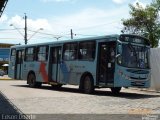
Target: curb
{"x": 146, "y": 90}
{"x": 150, "y": 90}
{"x": 6, "y": 79}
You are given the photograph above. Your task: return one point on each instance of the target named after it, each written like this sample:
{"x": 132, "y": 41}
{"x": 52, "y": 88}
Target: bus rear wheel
{"x": 116, "y": 90}
{"x": 88, "y": 86}
{"x": 32, "y": 81}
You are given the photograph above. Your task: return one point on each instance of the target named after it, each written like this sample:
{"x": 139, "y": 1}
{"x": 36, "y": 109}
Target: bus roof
{"x": 67, "y": 41}
{"x": 79, "y": 40}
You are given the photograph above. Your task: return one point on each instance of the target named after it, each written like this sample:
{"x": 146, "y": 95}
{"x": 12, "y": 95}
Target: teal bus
{"x": 111, "y": 61}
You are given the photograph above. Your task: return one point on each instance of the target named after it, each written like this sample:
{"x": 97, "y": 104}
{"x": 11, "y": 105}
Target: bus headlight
{"x": 120, "y": 73}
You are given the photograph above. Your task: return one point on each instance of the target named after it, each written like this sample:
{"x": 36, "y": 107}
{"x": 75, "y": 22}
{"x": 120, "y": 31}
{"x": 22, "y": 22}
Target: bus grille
{"x": 138, "y": 84}
{"x": 134, "y": 78}
{"x": 138, "y": 71}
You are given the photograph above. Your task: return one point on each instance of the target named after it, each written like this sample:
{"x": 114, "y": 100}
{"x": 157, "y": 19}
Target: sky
{"x": 51, "y": 20}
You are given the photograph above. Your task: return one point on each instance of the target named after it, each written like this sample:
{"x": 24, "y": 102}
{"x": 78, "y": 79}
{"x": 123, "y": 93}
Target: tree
{"x": 144, "y": 22}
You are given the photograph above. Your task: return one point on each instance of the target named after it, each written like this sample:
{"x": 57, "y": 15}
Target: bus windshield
{"x": 134, "y": 56}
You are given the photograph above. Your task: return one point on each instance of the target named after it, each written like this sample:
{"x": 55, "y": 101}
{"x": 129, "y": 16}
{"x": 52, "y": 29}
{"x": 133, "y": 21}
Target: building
{"x": 4, "y": 48}
{"x": 4, "y": 53}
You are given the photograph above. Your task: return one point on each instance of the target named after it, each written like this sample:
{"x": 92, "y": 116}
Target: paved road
{"x": 68, "y": 102}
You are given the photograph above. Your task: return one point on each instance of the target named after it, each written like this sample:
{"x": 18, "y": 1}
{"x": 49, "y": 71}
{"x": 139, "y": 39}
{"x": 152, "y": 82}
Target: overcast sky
{"x": 56, "y": 17}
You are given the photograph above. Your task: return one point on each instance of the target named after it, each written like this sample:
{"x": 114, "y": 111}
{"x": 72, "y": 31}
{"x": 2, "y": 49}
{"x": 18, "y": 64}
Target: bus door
{"x": 54, "y": 64}
{"x": 106, "y": 63}
{"x": 19, "y": 64}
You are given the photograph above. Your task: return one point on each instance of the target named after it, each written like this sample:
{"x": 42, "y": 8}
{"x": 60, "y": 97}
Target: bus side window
{"x": 70, "y": 51}
{"x": 87, "y": 50}
{"x": 42, "y": 53}
{"x": 30, "y": 54}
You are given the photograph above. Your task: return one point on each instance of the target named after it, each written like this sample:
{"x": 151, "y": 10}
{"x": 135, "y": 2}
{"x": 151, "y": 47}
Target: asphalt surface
{"x": 21, "y": 102}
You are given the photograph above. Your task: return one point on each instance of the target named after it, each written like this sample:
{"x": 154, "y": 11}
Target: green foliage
{"x": 144, "y": 21}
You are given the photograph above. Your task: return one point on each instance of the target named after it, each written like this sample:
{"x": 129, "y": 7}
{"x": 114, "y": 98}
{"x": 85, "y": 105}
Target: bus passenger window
{"x": 87, "y": 50}
{"x": 42, "y": 53}
{"x": 30, "y": 55}
{"x": 70, "y": 51}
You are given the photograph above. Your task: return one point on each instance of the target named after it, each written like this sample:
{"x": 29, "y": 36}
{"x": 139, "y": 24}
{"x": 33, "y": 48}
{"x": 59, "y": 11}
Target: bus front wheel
{"x": 88, "y": 86}
{"x": 116, "y": 90}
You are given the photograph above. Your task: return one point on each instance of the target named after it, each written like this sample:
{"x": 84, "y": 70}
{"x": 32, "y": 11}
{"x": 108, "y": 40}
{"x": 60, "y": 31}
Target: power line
{"x": 66, "y": 35}
{"x": 10, "y": 29}
{"x": 52, "y": 36}
{"x": 47, "y": 33}
{"x": 10, "y": 38}
{"x": 95, "y": 26}
{"x": 87, "y": 35}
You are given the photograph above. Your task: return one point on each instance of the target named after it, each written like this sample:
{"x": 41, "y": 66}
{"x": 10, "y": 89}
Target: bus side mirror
{"x": 119, "y": 49}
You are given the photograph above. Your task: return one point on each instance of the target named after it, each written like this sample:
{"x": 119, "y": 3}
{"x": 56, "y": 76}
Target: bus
{"x": 111, "y": 61}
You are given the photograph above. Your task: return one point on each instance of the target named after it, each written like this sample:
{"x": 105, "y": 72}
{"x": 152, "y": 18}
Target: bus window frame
{"x": 34, "y": 54}
{"x": 46, "y": 53}
{"x": 95, "y": 49}
{"x": 76, "y": 56}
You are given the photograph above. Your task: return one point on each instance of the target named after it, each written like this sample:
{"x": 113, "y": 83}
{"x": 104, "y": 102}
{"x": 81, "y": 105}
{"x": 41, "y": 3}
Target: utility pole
{"x": 71, "y": 34}
{"x": 25, "y": 29}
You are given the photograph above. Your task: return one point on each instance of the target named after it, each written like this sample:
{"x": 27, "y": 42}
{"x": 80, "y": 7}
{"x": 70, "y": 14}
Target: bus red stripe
{"x": 43, "y": 72}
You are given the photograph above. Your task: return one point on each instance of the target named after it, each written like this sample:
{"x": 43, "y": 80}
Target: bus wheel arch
{"x": 87, "y": 83}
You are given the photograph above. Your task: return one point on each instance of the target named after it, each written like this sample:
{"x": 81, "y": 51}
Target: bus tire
{"x": 116, "y": 90}
{"x": 88, "y": 86}
{"x": 32, "y": 81}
